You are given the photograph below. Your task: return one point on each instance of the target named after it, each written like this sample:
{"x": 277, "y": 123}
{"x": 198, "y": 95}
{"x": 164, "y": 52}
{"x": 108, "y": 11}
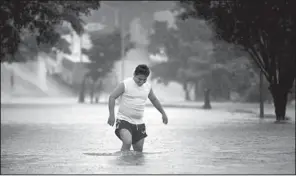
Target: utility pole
{"x": 261, "y": 96}
{"x": 119, "y": 23}
{"x": 82, "y": 91}
{"x": 80, "y": 44}
{"x": 122, "y": 48}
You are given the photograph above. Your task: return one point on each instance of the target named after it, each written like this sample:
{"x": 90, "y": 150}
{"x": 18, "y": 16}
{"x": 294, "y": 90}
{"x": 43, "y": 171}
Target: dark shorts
{"x": 138, "y": 132}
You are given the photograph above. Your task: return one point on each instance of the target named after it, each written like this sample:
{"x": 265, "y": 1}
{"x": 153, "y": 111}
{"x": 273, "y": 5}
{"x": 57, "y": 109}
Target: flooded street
{"x": 75, "y": 139}
{"x": 63, "y": 62}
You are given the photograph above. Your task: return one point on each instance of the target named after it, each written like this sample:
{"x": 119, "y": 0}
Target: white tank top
{"x": 133, "y": 101}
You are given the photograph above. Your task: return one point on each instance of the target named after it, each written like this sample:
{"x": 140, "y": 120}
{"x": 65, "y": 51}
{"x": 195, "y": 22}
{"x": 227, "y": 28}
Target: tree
{"x": 194, "y": 58}
{"x": 179, "y": 44}
{"x": 25, "y": 21}
{"x": 105, "y": 51}
{"x": 268, "y": 34}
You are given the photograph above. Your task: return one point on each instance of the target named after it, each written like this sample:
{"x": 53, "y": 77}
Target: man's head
{"x": 141, "y": 74}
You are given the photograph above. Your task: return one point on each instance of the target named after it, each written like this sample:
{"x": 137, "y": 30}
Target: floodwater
{"x": 75, "y": 139}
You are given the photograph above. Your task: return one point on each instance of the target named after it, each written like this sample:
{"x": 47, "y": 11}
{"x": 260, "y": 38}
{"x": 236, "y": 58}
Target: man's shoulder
{"x": 126, "y": 80}
{"x": 148, "y": 85}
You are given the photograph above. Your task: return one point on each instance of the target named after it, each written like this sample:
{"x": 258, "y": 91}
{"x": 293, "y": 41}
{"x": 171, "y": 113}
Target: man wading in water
{"x": 134, "y": 91}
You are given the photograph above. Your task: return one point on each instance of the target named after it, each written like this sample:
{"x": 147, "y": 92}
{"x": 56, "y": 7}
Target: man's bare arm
{"x": 155, "y": 102}
{"x": 118, "y": 91}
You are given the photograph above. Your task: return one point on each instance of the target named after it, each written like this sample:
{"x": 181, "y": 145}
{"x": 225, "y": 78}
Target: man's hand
{"x": 164, "y": 119}
{"x": 111, "y": 120}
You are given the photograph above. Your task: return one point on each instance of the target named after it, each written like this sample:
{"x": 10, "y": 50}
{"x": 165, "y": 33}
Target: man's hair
{"x": 142, "y": 69}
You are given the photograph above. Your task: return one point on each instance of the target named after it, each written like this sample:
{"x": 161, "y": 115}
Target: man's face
{"x": 140, "y": 79}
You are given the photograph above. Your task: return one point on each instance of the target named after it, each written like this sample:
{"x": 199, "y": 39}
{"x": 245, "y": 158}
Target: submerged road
{"x": 75, "y": 139}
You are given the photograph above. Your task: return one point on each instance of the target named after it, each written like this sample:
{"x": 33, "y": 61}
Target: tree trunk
{"x": 196, "y": 88}
{"x": 207, "y": 104}
{"x": 228, "y": 94}
{"x": 12, "y": 79}
{"x": 280, "y": 97}
{"x": 99, "y": 89}
{"x": 185, "y": 88}
{"x": 91, "y": 93}
{"x": 92, "y": 89}
{"x": 82, "y": 91}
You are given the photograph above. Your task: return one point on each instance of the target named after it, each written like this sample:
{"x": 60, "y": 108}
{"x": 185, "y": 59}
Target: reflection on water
{"x": 128, "y": 158}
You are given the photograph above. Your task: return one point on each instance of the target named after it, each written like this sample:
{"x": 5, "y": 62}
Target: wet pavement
{"x": 75, "y": 139}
